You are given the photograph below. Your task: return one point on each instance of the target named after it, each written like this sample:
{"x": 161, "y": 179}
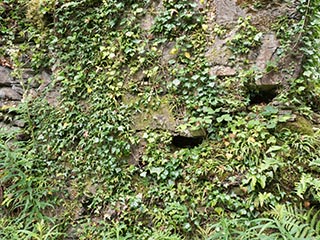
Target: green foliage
{"x": 178, "y": 18}
{"x": 283, "y": 222}
{"x": 86, "y": 171}
{"x": 303, "y": 36}
{"x": 27, "y": 194}
{"x": 246, "y": 39}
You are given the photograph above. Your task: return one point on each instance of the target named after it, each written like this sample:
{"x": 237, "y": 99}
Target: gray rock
{"x": 19, "y": 123}
{"x": 227, "y": 11}
{"x": 5, "y": 77}
{"x": 218, "y": 52}
{"x": 10, "y": 94}
{"x": 267, "y": 50}
{"x": 6, "y": 128}
{"x": 17, "y": 88}
{"x": 266, "y": 55}
{"x": 45, "y": 81}
{"x": 28, "y": 77}
{"x": 147, "y": 22}
{"x": 169, "y": 52}
{"x": 53, "y": 97}
{"x": 222, "y": 71}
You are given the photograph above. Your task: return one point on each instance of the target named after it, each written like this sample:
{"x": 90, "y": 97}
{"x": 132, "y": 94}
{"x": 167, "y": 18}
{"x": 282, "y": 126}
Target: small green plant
{"x": 246, "y": 39}
{"x": 88, "y": 170}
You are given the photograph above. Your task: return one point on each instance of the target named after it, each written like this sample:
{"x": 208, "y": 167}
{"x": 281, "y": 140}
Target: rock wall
{"x": 15, "y": 87}
{"x": 266, "y": 59}
{"x": 222, "y": 14}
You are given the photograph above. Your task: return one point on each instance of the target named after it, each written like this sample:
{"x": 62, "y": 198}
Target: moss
{"x": 301, "y": 125}
{"x": 38, "y": 10}
{"x": 159, "y": 118}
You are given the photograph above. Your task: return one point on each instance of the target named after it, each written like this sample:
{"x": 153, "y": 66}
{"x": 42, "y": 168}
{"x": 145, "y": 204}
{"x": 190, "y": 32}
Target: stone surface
{"x": 227, "y": 11}
{"x": 218, "y": 52}
{"x": 147, "y": 22}
{"x": 5, "y": 77}
{"x": 300, "y": 125}
{"x": 12, "y": 93}
{"x": 222, "y": 71}
{"x": 45, "y": 79}
{"x": 264, "y": 18}
{"x": 267, "y": 51}
{"x": 19, "y": 123}
{"x": 53, "y": 97}
{"x": 168, "y": 52}
{"x": 7, "y": 93}
{"x": 159, "y": 119}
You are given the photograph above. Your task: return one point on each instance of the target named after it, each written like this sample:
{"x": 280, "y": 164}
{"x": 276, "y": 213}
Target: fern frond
{"x": 295, "y": 222}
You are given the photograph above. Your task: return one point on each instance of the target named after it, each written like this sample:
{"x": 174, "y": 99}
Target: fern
{"x": 292, "y": 222}
{"x": 283, "y": 222}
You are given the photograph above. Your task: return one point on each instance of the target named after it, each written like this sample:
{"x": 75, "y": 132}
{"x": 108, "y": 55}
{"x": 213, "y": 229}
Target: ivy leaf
{"x": 224, "y": 117}
{"x": 269, "y": 110}
{"x": 262, "y": 180}
{"x": 253, "y": 123}
{"x": 176, "y": 82}
{"x": 258, "y": 36}
{"x": 208, "y": 110}
{"x": 307, "y": 73}
{"x": 157, "y": 170}
{"x": 174, "y": 51}
{"x": 284, "y": 118}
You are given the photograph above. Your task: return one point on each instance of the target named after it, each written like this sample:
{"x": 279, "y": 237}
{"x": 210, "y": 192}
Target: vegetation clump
{"x": 251, "y": 174}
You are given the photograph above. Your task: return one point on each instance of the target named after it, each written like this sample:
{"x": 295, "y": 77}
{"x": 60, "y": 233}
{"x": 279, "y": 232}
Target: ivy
{"x": 87, "y": 170}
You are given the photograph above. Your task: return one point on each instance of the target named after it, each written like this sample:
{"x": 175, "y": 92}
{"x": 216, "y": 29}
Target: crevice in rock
{"x": 260, "y": 96}
{"x": 186, "y": 142}
{"x": 86, "y": 206}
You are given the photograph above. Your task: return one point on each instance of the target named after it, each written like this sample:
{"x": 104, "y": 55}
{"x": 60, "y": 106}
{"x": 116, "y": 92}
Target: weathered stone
{"x": 218, "y": 52}
{"x": 6, "y": 128}
{"x": 5, "y": 77}
{"x": 193, "y": 133}
{"x": 264, "y": 18}
{"x": 45, "y": 80}
{"x": 19, "y": 123}
{"x": 53, "y": 97}
{"x": 168, "y": 52}
{"x": 18, "y": 89}
{"x": 227, "y": 11}
{"x": 300, "y": 125}
{"x": 162, "y": 118}
{"x": 28, "y": 77}
{"x": 267, "y": 51}
{"x": 222, "y": 71}
{"x": 137, "y": 151}
{"x": 147, "y": 22}
{"x": 9, "y": 94}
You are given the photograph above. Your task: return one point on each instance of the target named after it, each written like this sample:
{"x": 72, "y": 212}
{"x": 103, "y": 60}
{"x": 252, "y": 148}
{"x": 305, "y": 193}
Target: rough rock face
{"x": 227, "y": 11}
{"x": 223, "y": 14}
{"x": 13, "y": 90}
{"x": 267, "y": 50}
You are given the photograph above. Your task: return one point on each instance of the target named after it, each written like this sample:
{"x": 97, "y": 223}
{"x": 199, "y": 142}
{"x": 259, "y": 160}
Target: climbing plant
{"x": 87, "y": 171}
